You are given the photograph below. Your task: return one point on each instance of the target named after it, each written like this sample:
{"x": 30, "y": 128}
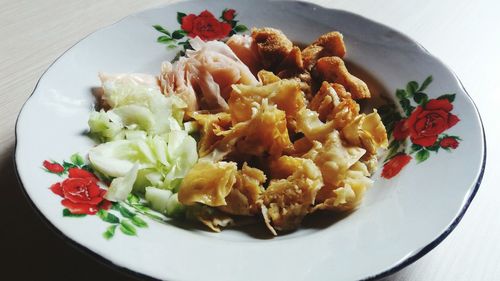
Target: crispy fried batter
{"x": 333, "y": 102}
{"x": 267, "y": 77}
{"x": 211, "y": 126}
{"x": 273, "y": 46}
{"x": 290, "y": 197}
{"x": 242, "y": 200}
{"x": 366, "y": 131}
{"x": 285, "y": 94}
{"x": 293, "y": 61}
{"x": 348, "y": 193}
{"x": 333, "y": 69}
{"x": 329, "y": 44}
{"x": 208, "y": 183}
{"x": 333, "y": 158}
{"x": 212, "y": 218}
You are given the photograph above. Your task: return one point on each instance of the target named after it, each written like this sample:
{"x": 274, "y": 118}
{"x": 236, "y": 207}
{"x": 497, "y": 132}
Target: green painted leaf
{"x": 68, "y": 165}
{"x": 222, "y": 14}
{"x": 77, "y": 159}
{"x": 450, "y": 97}
{"x": 240, "y": 28}
{"x": 88, "y": 168}
{"x": 107, "y": 216}
{"x": 154, "y": 217}
{"x": 68, "y": 213}
{"x": 405, "y": 104}
{"x": 142, "y": 207}
{"x": 178, "y": 34}
{"x": 394, "y": 143}
{"x": 422, "y": 155}
{"x": 392, "y": 152}
{"x": 137, "y": 221}
{"x": 434, "y": 147}
{"x": 415, "y": 147}
{"x": 110, "y": 232}
{"x": 127, "y": 228}
{"x": 420, "y": 98}
{"x": 125, "y": 212}
{"x": 180, "y": 16}
{"x": 132, "y": 198}
{"x": 426, "y": 83}
{"x": 164, "y": 39}
{"x": 161, "y": 29}
{"x": 401, "y": 94}
{"x": 171, "y": 46}
{"x": 411, "y": 87}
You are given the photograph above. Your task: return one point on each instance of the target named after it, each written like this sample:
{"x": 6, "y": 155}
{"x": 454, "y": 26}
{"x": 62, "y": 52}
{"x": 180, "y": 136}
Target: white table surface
{"x": 465, "y": 34}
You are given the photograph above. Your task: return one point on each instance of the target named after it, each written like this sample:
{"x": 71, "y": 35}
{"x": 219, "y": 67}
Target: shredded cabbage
{"x": 145, "y": 146}
{"x": 120, "y": 187}
{"x": 161, "y": 161}
{"x": 135, "y": 107}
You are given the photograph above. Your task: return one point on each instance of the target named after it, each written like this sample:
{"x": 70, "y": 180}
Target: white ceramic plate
{"x": 400, "y": 220}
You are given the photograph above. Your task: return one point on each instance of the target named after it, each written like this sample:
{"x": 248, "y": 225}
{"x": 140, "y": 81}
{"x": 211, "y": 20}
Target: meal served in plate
{"x": 254, "y": 126}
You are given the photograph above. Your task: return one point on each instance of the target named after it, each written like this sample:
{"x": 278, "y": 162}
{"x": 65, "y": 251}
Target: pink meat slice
{"x": 203, "y": 78}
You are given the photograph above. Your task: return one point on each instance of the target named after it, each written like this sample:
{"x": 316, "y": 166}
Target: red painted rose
{"x": 448, "y": 142}
{"x": 401, "y": 131}
{"x": 427, "y": 122}
{"x": 81, "y": 193}
{"x": 53, "y": 167}
{"x": 394, "y": 166}
{"x": 205, "y": 26}
{"x": 228, "y": 15}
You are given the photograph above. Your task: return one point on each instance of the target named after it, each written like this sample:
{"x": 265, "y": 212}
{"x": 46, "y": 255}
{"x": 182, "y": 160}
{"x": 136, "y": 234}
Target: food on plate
{"x": 253, "y": 127}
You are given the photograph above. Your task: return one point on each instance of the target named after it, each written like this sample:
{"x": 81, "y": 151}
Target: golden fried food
{"x": 273, "y": 46}
{"x": 242, "y": 200}
{"x": 285, "y": 94}
{"x": 333, "y": 69}
{"x": 348, "y": 194}
{"x": 297, "y": 136}
{"x": 366, "y": 131}
{"x": 208, "y": 183}
{"x": 333, "y": 102}
{"x": 211, "y": 125}
{"x": 290, "y": 197}
{"x": 327, "y": 45}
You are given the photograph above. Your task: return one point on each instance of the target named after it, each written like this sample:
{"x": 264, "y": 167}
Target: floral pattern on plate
{"x": 205, "y": 25}
{"x": 423, "y": 124}
{"x": 83, "y": 195}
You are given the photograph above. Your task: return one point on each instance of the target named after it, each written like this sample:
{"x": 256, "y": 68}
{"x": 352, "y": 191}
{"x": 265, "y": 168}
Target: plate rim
{"x": 411, "y": 258}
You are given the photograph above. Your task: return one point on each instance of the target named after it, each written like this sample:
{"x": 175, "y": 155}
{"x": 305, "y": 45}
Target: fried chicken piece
{"x": 273, "y": 46}
{"x": 293, "y": 61}
{"x": 333, "y": 69}
{"x": 329, "y": 44}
